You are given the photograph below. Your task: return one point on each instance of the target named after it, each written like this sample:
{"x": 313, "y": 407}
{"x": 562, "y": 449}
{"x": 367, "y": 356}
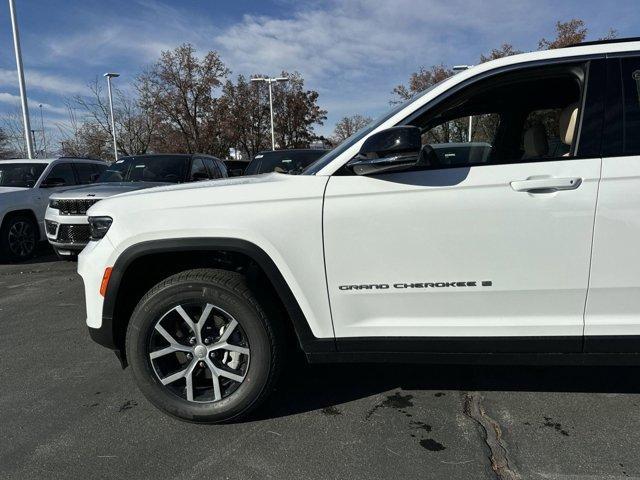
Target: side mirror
{"x": 53, "y": 182}
{"x": 393, "y": 149}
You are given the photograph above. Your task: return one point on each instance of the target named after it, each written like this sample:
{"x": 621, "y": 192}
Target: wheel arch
{"x": 154, "y": 260}
{"x": 24, "y": 211}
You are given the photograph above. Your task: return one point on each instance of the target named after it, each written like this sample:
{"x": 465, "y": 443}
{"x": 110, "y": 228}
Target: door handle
{"x": 546, "y": 185}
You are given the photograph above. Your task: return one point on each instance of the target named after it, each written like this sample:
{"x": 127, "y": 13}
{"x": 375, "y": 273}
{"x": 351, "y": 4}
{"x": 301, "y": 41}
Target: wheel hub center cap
{"x": 200, "y": 351}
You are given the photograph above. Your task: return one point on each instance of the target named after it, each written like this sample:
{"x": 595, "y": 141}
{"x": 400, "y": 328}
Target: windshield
{"x": 360, "y": 134}
{"x": 23, "y": 175}
{"x": 283, "y": 161}
{"x": 161, "y": 168}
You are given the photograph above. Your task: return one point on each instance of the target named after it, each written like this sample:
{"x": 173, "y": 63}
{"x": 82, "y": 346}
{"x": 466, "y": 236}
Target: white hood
{"x": 12, "y": 189}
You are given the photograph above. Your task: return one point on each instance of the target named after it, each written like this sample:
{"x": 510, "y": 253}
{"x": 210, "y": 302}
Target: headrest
{"x": 535, "y": 142}
{"x": 567, "y": 123}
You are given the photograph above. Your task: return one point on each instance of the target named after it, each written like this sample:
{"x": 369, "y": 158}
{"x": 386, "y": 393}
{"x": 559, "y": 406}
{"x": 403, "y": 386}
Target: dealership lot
{"x": 68, "y": 410}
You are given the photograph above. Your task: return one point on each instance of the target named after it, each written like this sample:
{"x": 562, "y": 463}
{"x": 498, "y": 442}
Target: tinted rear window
{"x": 283, "y": 161}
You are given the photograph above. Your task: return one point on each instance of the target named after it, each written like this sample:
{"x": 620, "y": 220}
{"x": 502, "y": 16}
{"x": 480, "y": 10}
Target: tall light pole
{"x": 23, "y": 91}
{"x": 113, "y": 120}
{"x": 269, "y": 81}
{"x": 44, "y": 138}
{"x": 459, "y": 68}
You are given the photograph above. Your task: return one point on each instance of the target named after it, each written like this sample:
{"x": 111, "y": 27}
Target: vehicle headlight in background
{"x": 98, "y": 227}
{"x": 54, "y": 204}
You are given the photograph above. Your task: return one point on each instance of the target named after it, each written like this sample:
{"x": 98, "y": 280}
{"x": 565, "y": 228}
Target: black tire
{"x": 18, "y": 238}
{"x": 71, "y": 257}
{"x": 229, "y": 292}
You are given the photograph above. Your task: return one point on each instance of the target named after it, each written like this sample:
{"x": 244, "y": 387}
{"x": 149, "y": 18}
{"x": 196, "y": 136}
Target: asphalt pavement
{"x": 67, "y": 410}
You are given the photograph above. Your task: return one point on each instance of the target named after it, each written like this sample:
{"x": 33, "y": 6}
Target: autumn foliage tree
{"x": 179, "y": 88}
{"x": 567, "y": 33}
{"x": 347, "y": 126}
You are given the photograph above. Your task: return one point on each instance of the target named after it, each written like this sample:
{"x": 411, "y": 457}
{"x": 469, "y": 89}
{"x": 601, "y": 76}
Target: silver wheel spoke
{"x": 188, "y": 321}
{"x": 217, "y": 394}
{"x": 231, "y": 326}
{"x": 230, "y": 347}
{"x": 204, "y": 317}
{"x": 175, "y": 376}
{"x": 189, "y": 377}
{"x": 223, "y": 373}
{"x": 167, "y": 351}
{"x": 172, "y": 341}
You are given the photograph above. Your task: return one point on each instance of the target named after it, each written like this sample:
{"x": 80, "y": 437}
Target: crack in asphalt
{"x": 493, "y": 437}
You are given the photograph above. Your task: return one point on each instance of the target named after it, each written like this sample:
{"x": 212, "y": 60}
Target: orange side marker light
{"x": 105, "y": 280}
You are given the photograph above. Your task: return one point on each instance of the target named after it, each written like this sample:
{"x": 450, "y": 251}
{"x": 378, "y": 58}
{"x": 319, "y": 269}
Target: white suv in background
{"x": 66, "y": 216}
{"x": 25, "y": 187}
{"x": 521, "y": 246}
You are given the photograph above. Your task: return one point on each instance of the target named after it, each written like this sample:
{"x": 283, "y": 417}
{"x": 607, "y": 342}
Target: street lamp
{"x": 269, "y": 81}
{"x": 113, "y": 121}
{"x": 23, "y": 92}
{"x": 460, "y": 68}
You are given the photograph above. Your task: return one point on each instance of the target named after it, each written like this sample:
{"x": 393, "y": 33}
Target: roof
{"x": 605, "y": 42}
{"x": 50, "y": 160}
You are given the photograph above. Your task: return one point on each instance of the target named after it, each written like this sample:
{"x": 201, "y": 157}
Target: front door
{"x": 489, "y": 249}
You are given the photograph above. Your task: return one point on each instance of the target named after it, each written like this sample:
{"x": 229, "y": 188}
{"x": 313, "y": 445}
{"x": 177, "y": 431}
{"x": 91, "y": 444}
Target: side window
{"x": 531, "y": 114}
{"x": 631, "y": 107}
{"x": 222, "y": 168}
{"x": 100, "y": 169}
{"x": 61, "y": 175}
{"x": 463, "y": 141}
{"x": 548, "y": 123}
{"x": 198, "y": 171}
{"x": 211, "y": 165}
{"x": 86, "y": 172}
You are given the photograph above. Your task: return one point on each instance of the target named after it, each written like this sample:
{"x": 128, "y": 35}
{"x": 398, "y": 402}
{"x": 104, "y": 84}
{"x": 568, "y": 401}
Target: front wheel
{"x": 201, "y": 348}
{"x": 18, "y": 238}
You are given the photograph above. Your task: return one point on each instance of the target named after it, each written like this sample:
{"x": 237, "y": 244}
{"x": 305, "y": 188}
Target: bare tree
{"x": 347, "y": 126}
{"x": 135, "y": 126}
{"x": 83, "y": 138}
{"x": 179, "y": 90}
{"x": 14, "y": 142}
{"x": 295, "y": 112}
{"x": 421, "y": 80}
{"x": 246, "y": 113}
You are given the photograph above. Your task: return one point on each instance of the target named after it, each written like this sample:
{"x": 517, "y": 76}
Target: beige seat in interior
{"x": 536, "y": 144}
{"x": 567, "y": 125}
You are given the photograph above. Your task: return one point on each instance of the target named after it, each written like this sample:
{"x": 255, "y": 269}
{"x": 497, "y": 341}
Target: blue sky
{"x": 353, "y": 52}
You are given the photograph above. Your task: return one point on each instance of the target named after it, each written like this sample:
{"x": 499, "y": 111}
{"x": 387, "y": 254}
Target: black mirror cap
{"x": 401, "y": 139}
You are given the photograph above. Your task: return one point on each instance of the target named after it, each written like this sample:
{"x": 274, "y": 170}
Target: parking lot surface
{"x": 67, "y": 410}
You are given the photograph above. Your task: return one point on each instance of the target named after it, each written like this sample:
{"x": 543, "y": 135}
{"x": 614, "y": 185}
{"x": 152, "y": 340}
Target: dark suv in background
{"x": 283, "y": 161}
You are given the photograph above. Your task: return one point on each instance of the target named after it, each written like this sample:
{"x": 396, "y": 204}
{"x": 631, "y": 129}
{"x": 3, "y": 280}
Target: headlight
{"x": 98, "y": 227}
{"x": 54, "y": 204}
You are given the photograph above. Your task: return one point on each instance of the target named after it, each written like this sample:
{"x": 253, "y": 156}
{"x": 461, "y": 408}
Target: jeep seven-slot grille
{"x": 75, "y": 207}
{"x": 73, "y": 234}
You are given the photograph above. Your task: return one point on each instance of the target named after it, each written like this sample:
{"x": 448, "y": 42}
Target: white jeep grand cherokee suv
{"x": 389, "y": 249}
{"x": 25, "y": 187}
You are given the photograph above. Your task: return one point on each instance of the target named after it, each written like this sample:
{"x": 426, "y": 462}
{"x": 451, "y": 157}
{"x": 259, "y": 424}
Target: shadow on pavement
{"x": 305, "y": 387}
{"x": 44, "y": 254}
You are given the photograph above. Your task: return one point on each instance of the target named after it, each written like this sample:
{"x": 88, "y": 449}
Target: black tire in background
{"x": 18, "y": 238}
{"x": 229, "y": 292}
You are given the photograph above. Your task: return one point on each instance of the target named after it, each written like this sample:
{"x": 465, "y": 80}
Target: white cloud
{"x": 14, "y": 100}
{"x": 42, "y": 81}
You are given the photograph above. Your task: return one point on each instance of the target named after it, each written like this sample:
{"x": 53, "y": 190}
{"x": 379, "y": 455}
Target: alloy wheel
{"x": 21, "y": 239}
{"x": 199, "y": 352}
